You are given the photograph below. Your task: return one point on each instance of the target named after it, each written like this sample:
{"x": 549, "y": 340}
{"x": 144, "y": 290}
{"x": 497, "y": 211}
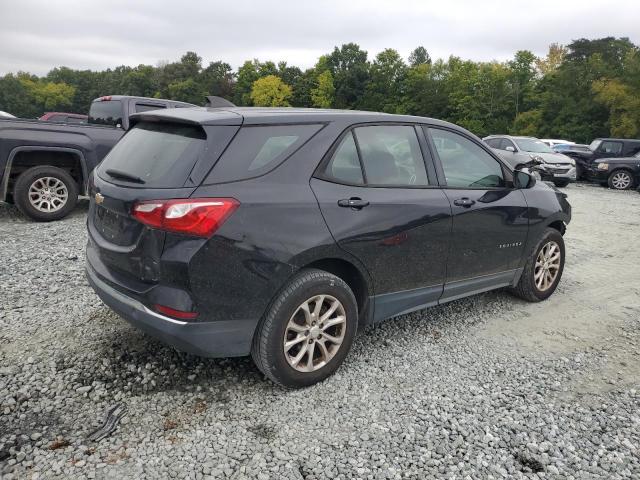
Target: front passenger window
{"x": 466, "y": 164}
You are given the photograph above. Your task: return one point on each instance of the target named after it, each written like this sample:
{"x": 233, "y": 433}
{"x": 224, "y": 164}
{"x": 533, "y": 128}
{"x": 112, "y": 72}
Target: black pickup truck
{"x": 44, "y": 166}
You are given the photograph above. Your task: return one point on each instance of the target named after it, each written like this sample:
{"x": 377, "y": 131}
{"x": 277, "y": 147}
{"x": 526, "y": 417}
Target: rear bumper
{"x": 207, "y": 339}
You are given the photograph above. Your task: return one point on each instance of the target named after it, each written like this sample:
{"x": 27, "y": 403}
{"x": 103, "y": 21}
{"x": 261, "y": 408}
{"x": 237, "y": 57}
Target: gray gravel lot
{"x": 486, "y": 387}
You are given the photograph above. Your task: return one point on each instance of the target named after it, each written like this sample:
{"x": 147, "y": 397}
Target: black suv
{"x": 278, "y": 232}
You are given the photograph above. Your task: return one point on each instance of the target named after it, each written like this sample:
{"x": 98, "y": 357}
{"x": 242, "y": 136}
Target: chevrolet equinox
{"x": 276, "y": 233}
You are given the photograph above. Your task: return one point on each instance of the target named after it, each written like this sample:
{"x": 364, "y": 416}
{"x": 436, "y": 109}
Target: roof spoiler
{"x": 217, "y": 102}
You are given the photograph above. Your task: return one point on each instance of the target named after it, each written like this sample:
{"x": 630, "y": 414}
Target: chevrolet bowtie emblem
{"x": 99, "y": 198}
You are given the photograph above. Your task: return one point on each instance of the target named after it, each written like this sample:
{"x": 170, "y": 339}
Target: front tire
{"x": 620, "y": 180}
{"x": 561, "y": 183}
{"x": 45, "y": 193}
{"x": 543, "y": 269}
{"x": 307, "y": 331}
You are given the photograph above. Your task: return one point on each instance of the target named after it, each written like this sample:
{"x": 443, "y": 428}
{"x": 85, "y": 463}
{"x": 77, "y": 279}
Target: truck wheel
{"x": 620, "y": 180}
{"x": 308, "y": 330}
{"x": 45, "y": 193}
{"x": 561, "y": 183}
{"x": 543, "y": 269}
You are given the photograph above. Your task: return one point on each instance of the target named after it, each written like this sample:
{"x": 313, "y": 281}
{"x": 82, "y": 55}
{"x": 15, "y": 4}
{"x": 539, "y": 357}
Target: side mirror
{"x": 523, "y": 179}
{"x": 510, "y": 149}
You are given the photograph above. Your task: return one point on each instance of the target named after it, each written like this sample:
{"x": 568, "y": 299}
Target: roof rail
{"x": 217, "y": 102}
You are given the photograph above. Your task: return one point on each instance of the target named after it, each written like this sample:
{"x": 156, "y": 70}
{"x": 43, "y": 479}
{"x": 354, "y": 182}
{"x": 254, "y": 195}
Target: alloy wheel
{"x": 315, "y": 333}
{"x": 547, "y": 266}
{"x": 621, "y": 181}
{"x": 48, "y": 194}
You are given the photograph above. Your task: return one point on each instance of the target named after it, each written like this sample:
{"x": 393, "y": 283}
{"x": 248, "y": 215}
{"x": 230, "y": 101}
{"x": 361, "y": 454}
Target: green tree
{"x": 384, "y": 89}
{"x": 419, "y": 56}
{"x": 270, "y": 91}
{"x": 323, "y": 95}
{"x": 188, "y": 90}
{"x": 350, "y": 69}
{"x": 218, "y": 79}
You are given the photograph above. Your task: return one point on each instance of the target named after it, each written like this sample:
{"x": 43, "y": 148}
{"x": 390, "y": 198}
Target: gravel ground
{"x": 485, "y": 387}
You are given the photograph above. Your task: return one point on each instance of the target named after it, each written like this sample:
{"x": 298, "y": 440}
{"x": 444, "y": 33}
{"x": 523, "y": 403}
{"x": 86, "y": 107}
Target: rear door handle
{"x": 464, "y": 202}
{"x": 353, "y": 202}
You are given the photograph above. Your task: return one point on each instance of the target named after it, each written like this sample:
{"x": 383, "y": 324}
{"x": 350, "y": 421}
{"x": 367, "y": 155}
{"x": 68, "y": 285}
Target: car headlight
{"x": 572, "y": 163}
{"x": 603, "y": 166}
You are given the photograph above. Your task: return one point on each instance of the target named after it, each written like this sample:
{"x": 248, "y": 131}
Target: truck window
{"x": 142, "y": 107}
{"x": 107, "y": 112}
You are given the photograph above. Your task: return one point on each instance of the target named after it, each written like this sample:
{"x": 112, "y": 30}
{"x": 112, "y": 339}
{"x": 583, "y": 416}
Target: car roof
{"x": 133, "y": 97}
{"x": 510, "y": 136}
{"x": 279, "y": 115}
{"x": 619, "y": 139}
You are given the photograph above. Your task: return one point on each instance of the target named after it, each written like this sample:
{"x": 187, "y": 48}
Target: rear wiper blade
{"x": 123, "y": 175}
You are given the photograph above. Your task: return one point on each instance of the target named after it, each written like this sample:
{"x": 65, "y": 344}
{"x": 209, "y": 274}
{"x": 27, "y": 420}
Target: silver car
{"x": 552, "y": 166}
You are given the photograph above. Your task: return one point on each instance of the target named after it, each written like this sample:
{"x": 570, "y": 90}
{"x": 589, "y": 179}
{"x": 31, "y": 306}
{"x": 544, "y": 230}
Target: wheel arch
{"x": 26, "y": 156}
{"x": 354, "y": 276}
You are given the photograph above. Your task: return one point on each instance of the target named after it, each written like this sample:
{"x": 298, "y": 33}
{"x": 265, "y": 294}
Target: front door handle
{"x": 353, "y": 202}
{"x": 464, "y": 202}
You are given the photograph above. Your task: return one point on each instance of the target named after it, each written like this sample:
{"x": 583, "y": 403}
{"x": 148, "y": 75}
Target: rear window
{"x": 258, "y": 150}
{"x": 157, "y": 155}
{"x": 108, "y": 112}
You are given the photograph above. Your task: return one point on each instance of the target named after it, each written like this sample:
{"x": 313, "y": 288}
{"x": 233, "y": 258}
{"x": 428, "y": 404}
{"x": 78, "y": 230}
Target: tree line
{"x": 587, "y": 89}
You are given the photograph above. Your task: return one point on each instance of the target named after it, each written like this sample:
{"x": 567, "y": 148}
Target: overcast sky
{"x": 37, "y": 35}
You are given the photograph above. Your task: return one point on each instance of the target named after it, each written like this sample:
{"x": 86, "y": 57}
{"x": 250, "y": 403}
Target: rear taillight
{"x": 200, "y": 217}
{"x": 172, "y": 312}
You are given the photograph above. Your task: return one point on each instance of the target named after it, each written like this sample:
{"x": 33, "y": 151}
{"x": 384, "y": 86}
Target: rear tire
{"x": 535, "y": 284}
{"x": 45, "y": 193}
{"x": 620, "y": 180}
{"x": 291, "y": 331}
{"x": 561, "y": 183}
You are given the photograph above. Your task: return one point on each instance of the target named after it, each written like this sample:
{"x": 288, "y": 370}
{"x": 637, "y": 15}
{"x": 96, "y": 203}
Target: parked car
{"x": 552, "y": 142}
{"x": 602, "y": 148}
{"x": 278, "y": 232}
{"x": 64, "y": 117}
{"x": 621, "y": 173}
{"x": 44, "y": 166}
{"x": 551, "y": 166}
{"x": 569, "y": 148}
{"x": 6, "y": 115}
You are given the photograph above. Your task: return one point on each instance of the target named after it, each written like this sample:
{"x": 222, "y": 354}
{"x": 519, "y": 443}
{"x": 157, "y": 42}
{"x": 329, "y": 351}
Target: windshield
{"x": 159, "y": 155}
{"x": 532, "y": 145}
{"x": 593, "y": 146}
{"x": 108, "y": 112}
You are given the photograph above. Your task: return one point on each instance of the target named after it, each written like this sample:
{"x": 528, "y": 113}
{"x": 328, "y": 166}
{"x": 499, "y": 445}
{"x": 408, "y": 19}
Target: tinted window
{"x": 533, "y": 145}
{"x": 140, "y": 107}
{"x": 505, "y": 142}
{"x": 108, "y": 112}
{"x": 613, "y": 148}
{"x": 345, "y": 165}
{"x": 257, "y": 150}
{"x": 76, "y": 120}
{"x": 57, "y": 118}
{"x": 391, "y": 155}
{"x": 159, "y": 154}
{"x": 466, "y": 164}
{"x": 493, "y": 142}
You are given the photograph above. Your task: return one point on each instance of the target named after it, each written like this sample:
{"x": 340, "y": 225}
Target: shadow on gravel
{"x": 11, "y": 213}
{"x": 132, "y": 362}
{"x": 135, "y": 363}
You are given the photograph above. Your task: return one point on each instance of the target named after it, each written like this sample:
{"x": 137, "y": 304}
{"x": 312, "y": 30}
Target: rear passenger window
{"x": 391, "y": 155}
{"x": 345, "y": 165}
{"x": 257, "y": 150}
